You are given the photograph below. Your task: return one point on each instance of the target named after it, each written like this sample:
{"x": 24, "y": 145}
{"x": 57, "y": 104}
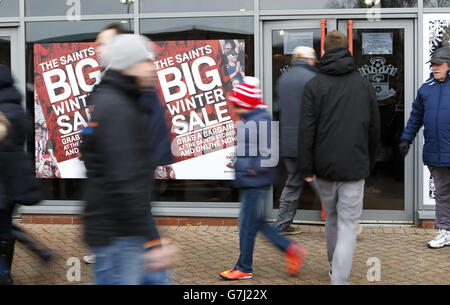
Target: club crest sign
{"x": 379, "y": 73}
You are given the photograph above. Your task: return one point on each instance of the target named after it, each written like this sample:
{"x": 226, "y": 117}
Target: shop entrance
{"x": 383, "y": 53}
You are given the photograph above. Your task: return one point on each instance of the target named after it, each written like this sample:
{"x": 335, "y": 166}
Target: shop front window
{"x": 194, "y": 52}
{"x": 163, "y": 6}
{"x": 333, "y": 4}
{"x": 72, "y": 8}
{"x": 66, "y": 51}
{"x": 9, "y": 8}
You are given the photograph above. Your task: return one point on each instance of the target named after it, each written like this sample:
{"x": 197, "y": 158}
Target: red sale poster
{"x": 64, "y": 75}
{"x": 195, "y": 77}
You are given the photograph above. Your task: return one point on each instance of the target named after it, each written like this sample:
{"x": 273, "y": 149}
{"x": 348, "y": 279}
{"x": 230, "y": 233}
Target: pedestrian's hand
{"x": 310, "y": 179}
{"x": 403, "y": 147}
{"x": 161, "y": 258}
{"x": 252, "y": 172}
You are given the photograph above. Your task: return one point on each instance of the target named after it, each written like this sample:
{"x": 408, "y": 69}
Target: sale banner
{"x": 195, "y": 77}
{"x": 64, "y": 75}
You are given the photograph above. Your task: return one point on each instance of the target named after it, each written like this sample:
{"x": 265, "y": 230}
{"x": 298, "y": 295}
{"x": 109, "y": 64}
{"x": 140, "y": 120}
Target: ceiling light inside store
{"x": 123, "y": 21}
{"x": 281, "y": 33}
{"x": 242, "y": 9}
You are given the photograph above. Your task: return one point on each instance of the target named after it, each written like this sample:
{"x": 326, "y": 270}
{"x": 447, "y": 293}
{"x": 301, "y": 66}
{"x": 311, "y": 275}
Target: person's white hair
{"x": 303, "y": 52}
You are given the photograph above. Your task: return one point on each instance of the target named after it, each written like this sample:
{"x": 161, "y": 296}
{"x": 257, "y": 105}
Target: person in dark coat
{"x": 290, "y": 90}
{"x": 17, "y": 175}
{"x": 338, "y": 140}
{"x": 431, "y": 110}
{"x": 116, "y": 216}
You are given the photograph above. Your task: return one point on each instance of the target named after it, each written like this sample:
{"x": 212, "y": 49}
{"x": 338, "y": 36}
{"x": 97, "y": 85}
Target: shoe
{"x": 295, "y": 255}
{"x": 235, "y": 274}
{"x": 442, "y": 239}
{"x": 89, "y": 259}
{"x": 6, "y": 258}
{"x": 290, "y": 230}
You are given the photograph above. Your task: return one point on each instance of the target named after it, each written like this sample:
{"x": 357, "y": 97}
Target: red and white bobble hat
{"x": 247, "y": 95}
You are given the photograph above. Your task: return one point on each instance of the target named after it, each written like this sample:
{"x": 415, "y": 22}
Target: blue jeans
{"x": 119, "y": 263}
{"x": 251, "y": 220}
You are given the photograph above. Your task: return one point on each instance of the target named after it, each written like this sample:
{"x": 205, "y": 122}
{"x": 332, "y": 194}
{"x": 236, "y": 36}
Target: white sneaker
{"x": 442, "y": 239}
{"x": 89, "y": 259}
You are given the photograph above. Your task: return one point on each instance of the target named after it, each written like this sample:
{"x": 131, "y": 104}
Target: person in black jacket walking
{"x": 117, "y": 225}
{"x": 290, "y": 90}
{"x": 338, "y": 139}
{"x": 18, "y": 183}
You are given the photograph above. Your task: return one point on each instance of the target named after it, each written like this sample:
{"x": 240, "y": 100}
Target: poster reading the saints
{"x": 64, "y": 75}
{"x": 436, "y": 35}
{"x": 194, "y": 79}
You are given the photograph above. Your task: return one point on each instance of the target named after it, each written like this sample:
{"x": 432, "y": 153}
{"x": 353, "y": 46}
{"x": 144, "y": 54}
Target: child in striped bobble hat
{"x": 254, "y": 175}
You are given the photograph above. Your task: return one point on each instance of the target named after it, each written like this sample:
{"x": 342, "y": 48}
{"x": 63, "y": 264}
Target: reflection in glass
{"x": 83, "y": 7}
{"x": 436, "y": 3}
{"x": 162, "y": 6}
{"x": 330, "y": 4}
{"x": 9, "y": 8}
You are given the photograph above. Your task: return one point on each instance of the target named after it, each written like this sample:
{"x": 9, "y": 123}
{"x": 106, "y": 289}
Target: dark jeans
{"x": 251, "y": 220}
{"x": 6, "y": 222}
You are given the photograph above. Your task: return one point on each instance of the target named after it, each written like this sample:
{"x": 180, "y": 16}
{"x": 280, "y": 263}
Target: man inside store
{"x": 290, "y": 89}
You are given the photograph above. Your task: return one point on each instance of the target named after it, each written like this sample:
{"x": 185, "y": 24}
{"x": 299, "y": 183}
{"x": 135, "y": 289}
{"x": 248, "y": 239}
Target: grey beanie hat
{"x": 126, "y": 50}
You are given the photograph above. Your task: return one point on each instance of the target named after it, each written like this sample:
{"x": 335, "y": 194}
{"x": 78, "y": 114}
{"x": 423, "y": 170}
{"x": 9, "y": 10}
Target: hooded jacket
{"x": 339, "y": 122}
{"x": 431, "y": 109}
{"x": 250, "y": 170}
{"x": 290, "y": 90}
{"x": 16, "y": 168}
{"x": 116, "y": 156}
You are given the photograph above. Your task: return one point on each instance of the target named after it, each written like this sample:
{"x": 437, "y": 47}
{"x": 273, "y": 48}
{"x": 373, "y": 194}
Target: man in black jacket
{"x": 118, "y": 167}
{"x": 338, "y": 138}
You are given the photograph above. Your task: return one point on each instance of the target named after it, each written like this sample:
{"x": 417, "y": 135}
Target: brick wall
{"x": 162, "y": 221}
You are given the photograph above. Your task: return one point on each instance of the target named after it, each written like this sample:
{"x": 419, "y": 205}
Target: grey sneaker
{"x": 290, "y": 230}
{"x": 89, "y": 259}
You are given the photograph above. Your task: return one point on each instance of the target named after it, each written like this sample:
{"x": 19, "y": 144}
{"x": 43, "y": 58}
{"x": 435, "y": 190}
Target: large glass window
{"x": 163, "y": 6}
{"x": 436, "y": 3}
{"x": 9, "y": 8}
{"x": 332, "y": 4}
{"x": 57, "y": 32}
{"x": 227, "y": 35}
{"x": 73, "y": 7}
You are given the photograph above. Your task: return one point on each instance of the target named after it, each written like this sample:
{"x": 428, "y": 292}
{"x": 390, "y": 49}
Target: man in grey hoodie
{"x": 290, "y": 90}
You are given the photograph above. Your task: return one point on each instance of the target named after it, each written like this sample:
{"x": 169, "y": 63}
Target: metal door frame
{"x": 368, "y": 216}
{"x": 12, "y": 33}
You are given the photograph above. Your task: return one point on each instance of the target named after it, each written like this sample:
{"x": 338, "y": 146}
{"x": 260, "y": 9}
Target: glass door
{"x": 280, "y": 38}
{"x": 383, "y": 53}
{"x": 8, "y": 48}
